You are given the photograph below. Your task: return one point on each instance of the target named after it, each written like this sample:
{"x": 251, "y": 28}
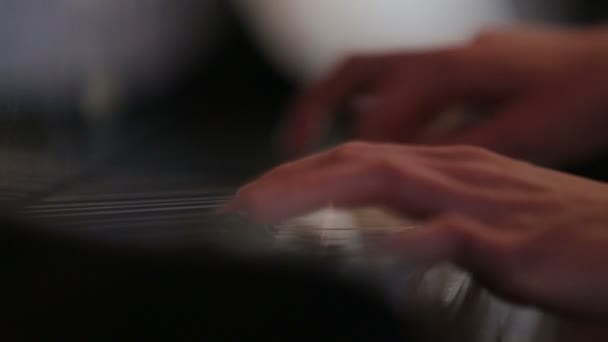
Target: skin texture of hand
{"x": 543, "y": 92}
{"x": 532, "y": 235}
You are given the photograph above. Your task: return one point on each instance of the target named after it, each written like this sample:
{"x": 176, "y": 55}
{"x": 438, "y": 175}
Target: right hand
{"x": 532, "y": 235}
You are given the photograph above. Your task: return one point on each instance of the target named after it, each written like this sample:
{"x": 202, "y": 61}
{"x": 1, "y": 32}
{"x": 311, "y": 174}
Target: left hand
{"x": 545, "y": 90}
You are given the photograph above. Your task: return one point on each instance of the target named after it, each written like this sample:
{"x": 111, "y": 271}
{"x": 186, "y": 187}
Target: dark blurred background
{"x": 204, "y": 116}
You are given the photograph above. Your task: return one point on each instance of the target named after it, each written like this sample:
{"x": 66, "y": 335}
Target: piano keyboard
{"x": 192, "y": 215}
{"x": 173, "y": 213}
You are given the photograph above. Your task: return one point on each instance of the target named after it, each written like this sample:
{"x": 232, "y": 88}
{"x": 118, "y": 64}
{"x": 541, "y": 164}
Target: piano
{"x": 110, "y": 231}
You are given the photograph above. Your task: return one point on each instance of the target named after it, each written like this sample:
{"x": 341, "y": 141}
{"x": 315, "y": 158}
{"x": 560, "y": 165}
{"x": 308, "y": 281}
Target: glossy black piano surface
{"x": 110, "y": 231}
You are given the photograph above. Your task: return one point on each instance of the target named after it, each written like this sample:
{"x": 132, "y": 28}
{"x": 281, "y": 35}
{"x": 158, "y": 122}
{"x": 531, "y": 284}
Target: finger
{"x": 415, "y": 97}
{"x": 539, "y": 127}
{"x": 310, "y": 113}
{"x": 319, "y": 160}
{"x": 356, "y": 175}
{"x": 402, "y": 111}
{"x": 478, "y": 248}
{"x": 341, "y": 185}
{"x": 425, "y": 245}
{"x": 509, "y": 134}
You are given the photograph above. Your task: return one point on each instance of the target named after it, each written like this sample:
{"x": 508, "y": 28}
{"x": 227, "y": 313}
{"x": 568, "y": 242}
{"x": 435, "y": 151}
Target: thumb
{"x": 439, "y": 240}
{"x": 513, "y": 131}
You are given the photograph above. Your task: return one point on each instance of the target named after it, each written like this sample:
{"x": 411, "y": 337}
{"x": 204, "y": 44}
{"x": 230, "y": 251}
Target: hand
{"x": 545, "y": 90}
{"x": 532, "y": 235}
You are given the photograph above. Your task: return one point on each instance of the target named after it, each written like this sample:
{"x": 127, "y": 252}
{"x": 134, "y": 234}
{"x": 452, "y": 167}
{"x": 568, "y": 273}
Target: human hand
{"x": 532, "y": 235}
{"x": 545, "y": 91}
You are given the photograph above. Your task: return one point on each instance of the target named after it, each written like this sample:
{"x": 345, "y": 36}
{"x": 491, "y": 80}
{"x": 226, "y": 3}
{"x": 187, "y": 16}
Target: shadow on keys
{"x": 57, "y": 288}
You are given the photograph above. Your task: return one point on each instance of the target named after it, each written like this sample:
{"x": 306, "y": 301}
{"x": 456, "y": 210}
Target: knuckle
{"x": 471, "y": 151}
{"x": 348, "y": 151}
